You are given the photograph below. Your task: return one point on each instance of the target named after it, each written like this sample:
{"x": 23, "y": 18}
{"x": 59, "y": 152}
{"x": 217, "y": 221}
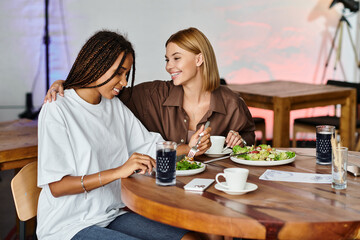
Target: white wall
{"x": 254, "y": 40}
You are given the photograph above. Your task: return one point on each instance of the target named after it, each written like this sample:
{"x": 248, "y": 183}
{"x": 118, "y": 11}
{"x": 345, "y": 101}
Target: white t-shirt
{"x": 77, "y": 138}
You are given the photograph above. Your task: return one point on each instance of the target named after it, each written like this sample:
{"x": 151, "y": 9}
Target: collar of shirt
{"x": 176, "y": 96}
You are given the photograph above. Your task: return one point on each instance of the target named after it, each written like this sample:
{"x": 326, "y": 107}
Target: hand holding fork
{"x": 194, "y": 149}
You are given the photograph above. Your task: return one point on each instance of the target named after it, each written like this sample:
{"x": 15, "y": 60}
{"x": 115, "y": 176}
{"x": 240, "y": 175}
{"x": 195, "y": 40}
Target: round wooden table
{"x": 276, "y": 210}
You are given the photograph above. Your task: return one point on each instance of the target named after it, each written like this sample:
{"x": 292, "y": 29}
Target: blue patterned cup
{"x": 324, "y": 133}
{"x": 166, "y": 163}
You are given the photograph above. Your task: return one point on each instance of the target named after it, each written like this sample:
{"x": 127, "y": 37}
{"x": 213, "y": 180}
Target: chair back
{"x": 25, "y": 191}
{"x": 351, "y": 85}
{"x": 346, "y": 84}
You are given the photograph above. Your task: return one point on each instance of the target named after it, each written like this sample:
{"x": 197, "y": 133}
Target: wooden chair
{"x": 259, "y": 122}
{"x": 260, "y": 126}
{"x": 309, "y": 124}
{"x": 25, "y": 194}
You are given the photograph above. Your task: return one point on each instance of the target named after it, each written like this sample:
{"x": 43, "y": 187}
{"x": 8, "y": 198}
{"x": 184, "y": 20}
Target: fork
{"x": 220, "y": 158}
{"x": 193, "y": 150}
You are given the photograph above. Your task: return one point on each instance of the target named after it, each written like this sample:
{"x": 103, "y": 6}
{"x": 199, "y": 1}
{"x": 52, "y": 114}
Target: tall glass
{"x": 166, "y": 163}
{"x": 338, "y": 169}
{"x": 323, "y": 144}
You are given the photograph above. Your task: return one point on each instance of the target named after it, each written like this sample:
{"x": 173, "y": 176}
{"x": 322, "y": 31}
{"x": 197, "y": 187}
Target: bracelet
{"x": 82, "y": 183}
{"x": 100, "y": 180}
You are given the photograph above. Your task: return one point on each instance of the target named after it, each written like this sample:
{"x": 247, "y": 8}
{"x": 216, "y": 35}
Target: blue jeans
{"x": 131, "y": 226}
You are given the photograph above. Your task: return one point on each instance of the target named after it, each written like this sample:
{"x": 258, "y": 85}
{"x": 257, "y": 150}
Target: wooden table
{"x": 276, "y": 210}
{"x": 18, "y": 143}
{"x": 284, "y": 96}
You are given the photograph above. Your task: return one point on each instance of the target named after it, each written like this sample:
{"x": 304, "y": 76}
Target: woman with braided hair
{"x": 88, "y": 141}
{"x": 179, "y": 108}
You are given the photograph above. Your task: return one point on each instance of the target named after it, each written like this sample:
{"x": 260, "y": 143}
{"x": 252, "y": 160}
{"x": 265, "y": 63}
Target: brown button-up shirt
{"x": 158, "y": 105}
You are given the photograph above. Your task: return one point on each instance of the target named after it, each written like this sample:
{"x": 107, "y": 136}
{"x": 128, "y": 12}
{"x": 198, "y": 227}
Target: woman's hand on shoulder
{"x": 234, "y": 138}
{"x": 56, "y": 87}
{"x": 139, "y": 163}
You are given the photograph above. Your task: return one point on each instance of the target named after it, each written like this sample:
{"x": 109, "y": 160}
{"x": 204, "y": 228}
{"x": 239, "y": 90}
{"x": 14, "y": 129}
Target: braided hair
{"x": 96, "y": 57}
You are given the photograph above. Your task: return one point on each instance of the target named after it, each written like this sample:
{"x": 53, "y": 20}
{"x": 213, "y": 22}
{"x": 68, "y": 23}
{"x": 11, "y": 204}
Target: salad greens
{"x": 187, "y": 165}
{"x": 262, "y": 152}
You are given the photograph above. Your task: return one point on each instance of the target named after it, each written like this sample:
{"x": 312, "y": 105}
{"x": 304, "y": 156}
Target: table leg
{"x": 281, "y": 125}
{"x": 348, "y": 121}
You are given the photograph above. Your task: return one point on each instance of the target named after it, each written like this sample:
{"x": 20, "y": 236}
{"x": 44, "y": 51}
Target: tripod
{"x": 29, "y": 113}
{"x": 340, "y": 27}
{"x": 47, "y": 43}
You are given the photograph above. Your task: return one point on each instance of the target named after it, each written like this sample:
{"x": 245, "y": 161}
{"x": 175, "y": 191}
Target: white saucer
{"x": 227, "y": 151}
{"x": 249, "y": 187}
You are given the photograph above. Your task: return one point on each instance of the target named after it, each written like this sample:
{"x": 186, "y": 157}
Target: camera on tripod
{"x": 352, "y": 5}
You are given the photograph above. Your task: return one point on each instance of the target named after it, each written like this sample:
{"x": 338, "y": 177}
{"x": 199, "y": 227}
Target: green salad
{"x": 262, "y": 152}
{"x": 187, "y": 165}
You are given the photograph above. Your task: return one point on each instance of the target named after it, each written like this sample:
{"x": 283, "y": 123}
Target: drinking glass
{"x": 338, "y": 169}
{"x": 166, "y": 163}
{"x": 323, "y": 144}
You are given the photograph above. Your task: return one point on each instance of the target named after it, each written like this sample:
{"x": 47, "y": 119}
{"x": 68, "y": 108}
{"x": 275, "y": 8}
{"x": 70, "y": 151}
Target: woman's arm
{"x": 69, "y": 185}
{"x": 241, "y": 125}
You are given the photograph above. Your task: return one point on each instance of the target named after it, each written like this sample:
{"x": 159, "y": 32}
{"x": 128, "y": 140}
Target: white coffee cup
{"x": 217, "y": 144}
{"x": 235, "y": 178}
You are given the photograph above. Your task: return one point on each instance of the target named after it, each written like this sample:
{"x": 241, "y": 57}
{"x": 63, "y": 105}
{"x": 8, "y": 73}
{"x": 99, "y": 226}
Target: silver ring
{"x": 52, "y": 90}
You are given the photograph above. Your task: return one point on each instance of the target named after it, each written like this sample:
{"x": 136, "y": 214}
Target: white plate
{"x": 191, "y": 171}
{"x": 249, "y": 187}
{"x": 227, "y": 151}
{"x": 262, "y": 163}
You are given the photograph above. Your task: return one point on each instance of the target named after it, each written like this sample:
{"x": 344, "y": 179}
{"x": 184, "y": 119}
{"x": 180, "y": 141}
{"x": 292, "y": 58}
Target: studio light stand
{"x": 340, "y": 27}
{"x": 29, "y": 112}
{"x": 353, "y": 7}
{"x": 47, "y": 45}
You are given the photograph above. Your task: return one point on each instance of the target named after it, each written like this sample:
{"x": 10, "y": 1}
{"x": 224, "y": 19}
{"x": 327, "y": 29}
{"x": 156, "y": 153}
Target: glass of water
{"x": 339, "y": 166}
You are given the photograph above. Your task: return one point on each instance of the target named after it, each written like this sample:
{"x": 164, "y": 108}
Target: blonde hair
{"x": 193, "y": 40}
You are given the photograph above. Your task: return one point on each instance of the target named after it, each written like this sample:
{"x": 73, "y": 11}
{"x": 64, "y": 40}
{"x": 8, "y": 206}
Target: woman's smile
{"x": 174, "y": 75}
{"x": 116, "y": 90}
